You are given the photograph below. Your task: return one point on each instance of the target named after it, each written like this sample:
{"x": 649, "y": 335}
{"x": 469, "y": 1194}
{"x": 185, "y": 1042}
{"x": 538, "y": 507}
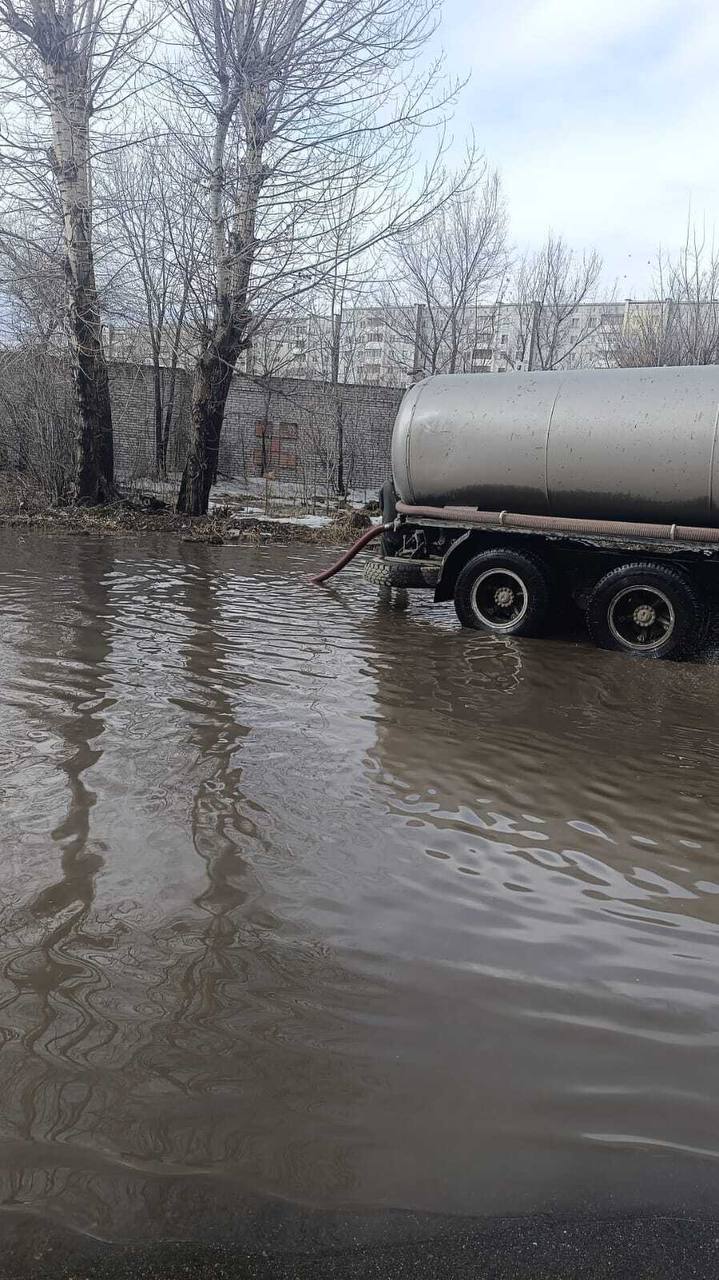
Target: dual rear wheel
{"x": 645, "y": 608}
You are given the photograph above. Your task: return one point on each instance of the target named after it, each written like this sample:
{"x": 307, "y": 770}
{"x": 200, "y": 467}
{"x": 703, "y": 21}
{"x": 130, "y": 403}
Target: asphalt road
{"x": 513, "y": 1248}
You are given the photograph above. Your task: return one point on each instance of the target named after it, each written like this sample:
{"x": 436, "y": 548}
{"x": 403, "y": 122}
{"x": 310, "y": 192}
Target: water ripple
{"x": 309, "y": 894}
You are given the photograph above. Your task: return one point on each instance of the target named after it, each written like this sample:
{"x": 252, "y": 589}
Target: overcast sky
{"x": 602, "y": 116}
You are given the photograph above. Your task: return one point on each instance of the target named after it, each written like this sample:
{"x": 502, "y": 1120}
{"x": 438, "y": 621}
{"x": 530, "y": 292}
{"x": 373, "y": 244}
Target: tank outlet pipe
{"x": 350, "y": 553}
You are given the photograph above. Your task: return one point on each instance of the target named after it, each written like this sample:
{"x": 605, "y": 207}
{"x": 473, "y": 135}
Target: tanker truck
{"x": 520, "y": 495}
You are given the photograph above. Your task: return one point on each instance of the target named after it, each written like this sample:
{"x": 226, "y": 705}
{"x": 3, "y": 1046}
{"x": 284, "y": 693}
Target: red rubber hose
{"x": 350, "y": 554}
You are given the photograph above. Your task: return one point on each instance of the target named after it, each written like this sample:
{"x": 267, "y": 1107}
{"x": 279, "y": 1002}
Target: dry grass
{"x": 18, "y": 509}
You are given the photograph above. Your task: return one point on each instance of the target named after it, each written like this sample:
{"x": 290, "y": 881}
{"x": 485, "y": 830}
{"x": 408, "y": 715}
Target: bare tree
{"x": 36, "y": 420}
{"x": 679, "y": 324}
{"x": 32, "y": 282}
{"x": 283, "y": 346}
{"x": 349, "y": 223}
{"x": 319, "y": 338}
{"x": 440, "y": 277}
{"x": 159, "y": 232}
{"x": 286, "y": 87}
{"x": 65, "y": 62}
{"x": 548, "y": 287}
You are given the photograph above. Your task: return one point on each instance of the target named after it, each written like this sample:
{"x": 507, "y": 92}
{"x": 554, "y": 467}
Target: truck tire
{"x": 647, "y": 609}
{"x": 388, "y": 572}
{"x": 503, "y": 591}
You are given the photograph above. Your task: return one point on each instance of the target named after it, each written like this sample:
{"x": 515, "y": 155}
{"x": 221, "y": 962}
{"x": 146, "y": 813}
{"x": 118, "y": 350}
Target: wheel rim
{"x": 641, "y": 618}
{"x": 499, "y": 599}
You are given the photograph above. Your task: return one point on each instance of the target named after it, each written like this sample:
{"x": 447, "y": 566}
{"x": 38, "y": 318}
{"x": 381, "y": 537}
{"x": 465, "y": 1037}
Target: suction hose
{"x": 350, "y": 554}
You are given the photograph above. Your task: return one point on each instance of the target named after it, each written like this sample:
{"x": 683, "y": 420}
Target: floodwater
{"x": 310, "y": 897}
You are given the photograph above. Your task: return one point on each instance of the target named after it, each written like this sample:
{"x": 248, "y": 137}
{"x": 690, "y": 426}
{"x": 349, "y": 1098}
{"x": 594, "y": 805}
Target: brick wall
{"x": 286, "y": 427}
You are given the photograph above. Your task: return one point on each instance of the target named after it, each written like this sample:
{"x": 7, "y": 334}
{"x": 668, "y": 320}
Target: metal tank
{"x": 607, "y": 444}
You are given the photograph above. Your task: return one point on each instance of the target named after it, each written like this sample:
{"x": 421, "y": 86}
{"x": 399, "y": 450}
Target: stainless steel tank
{"x": 614, "y": 444}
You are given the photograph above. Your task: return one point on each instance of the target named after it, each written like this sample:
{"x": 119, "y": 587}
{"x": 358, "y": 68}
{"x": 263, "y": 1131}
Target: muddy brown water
{"x": 309, "y": 897}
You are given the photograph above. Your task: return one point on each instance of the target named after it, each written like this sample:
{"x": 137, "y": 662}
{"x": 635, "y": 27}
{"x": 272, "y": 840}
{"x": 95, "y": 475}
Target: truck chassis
{"x": 648, "y": 590}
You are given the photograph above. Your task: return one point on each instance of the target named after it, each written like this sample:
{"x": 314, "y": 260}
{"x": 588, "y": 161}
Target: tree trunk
{"x": 94, "y": 455}
{"x": 172, "y": 386}
{"x": 340, "y": 444}
{"x": 210, "y": 387}
{"x": 168, "y": 417}
{"x": 533, "y": 336}
{"x": 69, "y": 158}
{"x": 160, "y": 469}
{"x": 234, "y": 250}
{"x": 419, "y": 355}
{"x": 339, "y": 422}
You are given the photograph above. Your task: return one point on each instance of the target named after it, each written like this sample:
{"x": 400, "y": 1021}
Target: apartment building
{"x": 393, "y": 347}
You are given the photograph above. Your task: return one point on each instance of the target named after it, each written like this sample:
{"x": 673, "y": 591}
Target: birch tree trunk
{"x": 69, "y": 156}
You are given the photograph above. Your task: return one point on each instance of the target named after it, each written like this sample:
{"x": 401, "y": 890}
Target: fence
{"x": 285, "y": 430}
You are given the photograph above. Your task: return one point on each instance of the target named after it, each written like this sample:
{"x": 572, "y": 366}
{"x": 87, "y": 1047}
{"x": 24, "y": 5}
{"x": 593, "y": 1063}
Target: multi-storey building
{"x": 396, "y": 346}
{"x": 393, "y": 347}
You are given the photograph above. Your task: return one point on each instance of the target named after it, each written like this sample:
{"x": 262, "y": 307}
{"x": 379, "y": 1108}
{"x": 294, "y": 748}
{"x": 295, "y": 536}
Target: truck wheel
{"x": 388, "y": 572}
{"x": 648, "y": 609}
{"x": 503, "y": 591}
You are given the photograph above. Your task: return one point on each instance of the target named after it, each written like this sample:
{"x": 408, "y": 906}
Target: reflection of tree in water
{"x": 215, "y": 1033}
{"x": 244, "y": 992}
{"x": 69, "y": 1072}
{"x": 80, "y": 725}
{"x": 222, "y": 823}
{"x": 49, "y": 1023}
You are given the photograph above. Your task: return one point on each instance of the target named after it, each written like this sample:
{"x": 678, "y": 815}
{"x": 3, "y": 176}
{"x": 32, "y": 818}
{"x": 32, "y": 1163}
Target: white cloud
{"x": 537, "y": 35}
{"x": 554, "y": 32}
{"x": 697, "y": 49}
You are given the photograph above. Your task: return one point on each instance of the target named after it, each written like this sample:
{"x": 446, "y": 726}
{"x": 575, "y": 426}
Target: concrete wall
{"x": 285, "y": 428}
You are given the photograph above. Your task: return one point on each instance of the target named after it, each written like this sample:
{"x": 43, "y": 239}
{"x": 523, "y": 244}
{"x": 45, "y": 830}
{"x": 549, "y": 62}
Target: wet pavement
{"x": 328, "y": 929}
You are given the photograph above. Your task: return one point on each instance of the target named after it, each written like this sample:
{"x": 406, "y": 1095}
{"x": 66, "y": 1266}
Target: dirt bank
{"x": 224, "y": 525}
